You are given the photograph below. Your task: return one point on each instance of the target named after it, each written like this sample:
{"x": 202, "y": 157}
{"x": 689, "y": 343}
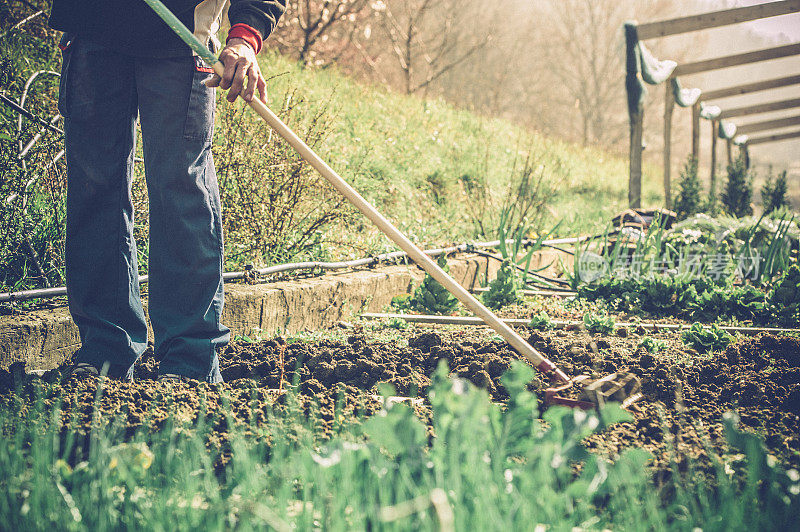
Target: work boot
{"x": 81, "y": 370}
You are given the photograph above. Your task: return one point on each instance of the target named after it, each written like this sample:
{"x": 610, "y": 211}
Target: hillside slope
{"x": 416, "y": 158}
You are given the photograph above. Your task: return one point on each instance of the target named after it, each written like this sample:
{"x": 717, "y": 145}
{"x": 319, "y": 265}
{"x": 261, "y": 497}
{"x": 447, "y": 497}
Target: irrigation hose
{"x": 252, "y": 273}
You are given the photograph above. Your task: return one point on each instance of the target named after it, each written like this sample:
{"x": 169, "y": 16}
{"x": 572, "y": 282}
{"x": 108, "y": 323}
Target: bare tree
{"x": 321, "y": 30}
{"x": 428, "y": 38}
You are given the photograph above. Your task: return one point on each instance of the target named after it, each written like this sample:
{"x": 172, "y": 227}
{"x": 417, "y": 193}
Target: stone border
{"x": 43, "y": 339}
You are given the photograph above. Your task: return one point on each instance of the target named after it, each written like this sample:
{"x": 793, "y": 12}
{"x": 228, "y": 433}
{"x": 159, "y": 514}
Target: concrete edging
{"x": 43, "y": 339}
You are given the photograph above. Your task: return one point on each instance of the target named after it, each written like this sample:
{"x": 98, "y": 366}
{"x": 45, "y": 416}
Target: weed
{"x": 402, "y": 303}
{"x": 599, "y": 324}
{"x": 432, "y": 297}
{"x": 542, "y": 322}
{"x": 398, "y": 323}
{"x": 706, "y": 340}
{"x": 253, "y": 338}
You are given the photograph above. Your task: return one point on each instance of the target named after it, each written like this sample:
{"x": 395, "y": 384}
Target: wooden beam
{"x": 774, "y": 138}
{"x": 716, "y": 19}
{"x": 737, "y": 59}
{"x": 746, "y": 129}
{"x": 669, "y": 106}
{"x": 748, "y": 88}
{"x": 760, "y": 108}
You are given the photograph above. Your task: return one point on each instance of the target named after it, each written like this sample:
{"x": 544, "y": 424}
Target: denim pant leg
{"x": 98, "y": 100}
{"x": 185, "y": 290}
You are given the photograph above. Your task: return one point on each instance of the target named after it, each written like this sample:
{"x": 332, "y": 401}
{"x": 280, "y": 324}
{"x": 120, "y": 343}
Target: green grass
{"x": 487, "y": 468}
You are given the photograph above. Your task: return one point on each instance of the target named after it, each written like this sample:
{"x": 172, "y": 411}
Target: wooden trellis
{"x": 637, "y": 33}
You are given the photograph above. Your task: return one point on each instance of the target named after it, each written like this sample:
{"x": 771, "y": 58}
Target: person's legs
{"x": 185, "y": 288}
{"x": 98, "y": 101}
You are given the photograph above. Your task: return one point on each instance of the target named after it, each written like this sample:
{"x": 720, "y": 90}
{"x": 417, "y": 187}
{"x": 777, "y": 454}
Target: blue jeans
{"x": 100, "y": 94}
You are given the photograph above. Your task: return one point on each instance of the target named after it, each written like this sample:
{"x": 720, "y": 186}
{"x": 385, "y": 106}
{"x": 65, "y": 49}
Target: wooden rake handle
{"x": 416, "y": 254}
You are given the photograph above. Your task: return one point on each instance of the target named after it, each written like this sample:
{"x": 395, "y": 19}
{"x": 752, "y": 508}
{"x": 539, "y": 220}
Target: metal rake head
{"x": 621, "y": 387}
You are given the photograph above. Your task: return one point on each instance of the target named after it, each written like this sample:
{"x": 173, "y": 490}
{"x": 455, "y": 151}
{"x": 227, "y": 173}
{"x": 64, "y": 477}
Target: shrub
{"x": 432, "y": 297}
{"x": 773, "y": 194}
{"x": 32, "y": 188}
{"x": 276, "y": 207}
{"x": 688, "y": 201}
{"x": 738, "y": 191}
{"x": 504, "y": 289}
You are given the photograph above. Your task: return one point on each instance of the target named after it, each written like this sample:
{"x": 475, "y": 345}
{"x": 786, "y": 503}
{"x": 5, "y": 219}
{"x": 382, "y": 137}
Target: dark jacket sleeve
{"x": 261, "y": 15}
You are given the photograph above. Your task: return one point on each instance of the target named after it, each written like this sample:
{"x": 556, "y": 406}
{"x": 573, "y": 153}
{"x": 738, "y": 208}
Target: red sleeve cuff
{"x": 251, "y": 35}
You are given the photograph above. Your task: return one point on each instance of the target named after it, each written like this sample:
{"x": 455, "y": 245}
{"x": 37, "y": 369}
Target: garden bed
{"x": 686, "y": 394}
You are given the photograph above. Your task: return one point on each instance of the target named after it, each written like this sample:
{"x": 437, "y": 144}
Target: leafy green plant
{"x": 597, "y": 323}
{"x": 706, "y": 340}
{"x": 688, "y": 201}
{"x": 398, "y": 323}
{"x": 252, "y": 338}
{"x": 505, "y": 288}
{"x": 652, "y": 345}
{"x": 695, "y": 298}
{"x": 541, "y": 321}
{"x": 738, "y": 193}
{"x": 784, "y": 299}
{"x": 432, "y": 297}
{"x": 773, "y": 193}
{"x": 402, "y": 302}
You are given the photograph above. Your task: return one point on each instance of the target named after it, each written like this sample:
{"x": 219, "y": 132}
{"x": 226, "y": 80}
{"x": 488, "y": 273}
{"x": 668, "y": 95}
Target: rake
{"x": 594, "y": 393}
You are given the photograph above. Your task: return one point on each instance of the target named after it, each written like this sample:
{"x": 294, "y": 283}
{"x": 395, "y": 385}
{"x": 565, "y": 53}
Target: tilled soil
{"x": 686, "y": 394}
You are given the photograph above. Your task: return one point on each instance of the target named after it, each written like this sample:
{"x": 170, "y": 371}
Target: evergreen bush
{"x": 738, "y": 193}
{"x": 688, "y": 201}
{"x": 773, "y": 194}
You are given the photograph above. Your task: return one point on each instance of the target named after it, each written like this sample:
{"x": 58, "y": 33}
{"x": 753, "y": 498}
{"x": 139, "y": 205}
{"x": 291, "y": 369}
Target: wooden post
{"x": 729, "y": 145}
{"x": 635, "y": 95}
{"x": 669, "y": 106}
{"x": 712, "y": 189}
{"x": 744, "y": 151}
{"x": 696, "y": 131}
{"x": 635, "y": 180}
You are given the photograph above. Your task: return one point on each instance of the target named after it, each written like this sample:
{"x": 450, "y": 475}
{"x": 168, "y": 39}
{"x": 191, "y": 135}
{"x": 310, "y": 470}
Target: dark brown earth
{"x": 686, "y": 394}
